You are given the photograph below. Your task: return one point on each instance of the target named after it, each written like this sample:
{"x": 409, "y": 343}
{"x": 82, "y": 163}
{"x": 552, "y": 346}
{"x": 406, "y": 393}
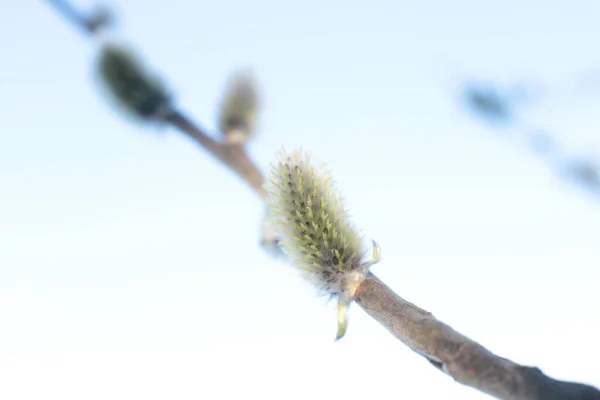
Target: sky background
{"x": 129, "y": 258}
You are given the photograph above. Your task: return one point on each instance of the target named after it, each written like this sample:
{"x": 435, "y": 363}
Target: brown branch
{"x": 233, "y": 156}
{"x": 463, "y": 359}
{"x": 460, "y": 357}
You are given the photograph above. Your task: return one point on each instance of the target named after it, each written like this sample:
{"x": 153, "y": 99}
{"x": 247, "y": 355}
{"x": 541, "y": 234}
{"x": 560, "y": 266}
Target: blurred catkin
{"x": 315, "y": 229}
{"x": 239, "y": 108}
{"x": 130, "y": 85}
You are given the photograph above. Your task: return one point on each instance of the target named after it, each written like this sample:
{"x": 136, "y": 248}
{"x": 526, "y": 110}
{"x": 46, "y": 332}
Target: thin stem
{"x": 69, "y": 12}
{"x": 233, "y": 156}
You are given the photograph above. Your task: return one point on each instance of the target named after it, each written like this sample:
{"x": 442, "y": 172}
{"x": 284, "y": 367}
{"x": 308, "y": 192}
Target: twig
{"x": 88, "y": 25}
{"x": 460, "y": 357}
{"x": 463, "y": 359}
{"x": 71, "y": 14}
{"x": 233, "y": 156}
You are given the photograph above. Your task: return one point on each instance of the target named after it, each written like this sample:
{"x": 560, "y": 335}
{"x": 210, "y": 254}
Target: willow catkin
{"x": 239, "y": 108}
{"x": 315, "y": 230}
{"x": 129, "y": 84}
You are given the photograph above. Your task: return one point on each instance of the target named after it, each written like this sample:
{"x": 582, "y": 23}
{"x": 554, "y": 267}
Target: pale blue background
{"x": 129, "y": 259}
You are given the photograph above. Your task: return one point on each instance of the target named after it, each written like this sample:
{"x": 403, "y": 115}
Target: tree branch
{"x": 233, "y": 156}
{"x": 458, "y": 356}
{"x": 88, "y": 25}
{"x": 463, "y": 359}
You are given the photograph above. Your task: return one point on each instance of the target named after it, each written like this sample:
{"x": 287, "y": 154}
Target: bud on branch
{"x": 239, "y": 107}
{"x": 136, "y": 91}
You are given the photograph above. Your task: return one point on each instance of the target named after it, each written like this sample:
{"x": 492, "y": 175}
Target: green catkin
{"x": 239, "y": 108}
{"x": 315, "y": 229}
{"x": 129, "y": 84}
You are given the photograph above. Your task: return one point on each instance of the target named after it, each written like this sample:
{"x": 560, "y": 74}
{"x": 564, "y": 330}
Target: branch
{"x": 99, "y": 19}
{"x": 233, "y": 156}
{"x": 463, "y": 359}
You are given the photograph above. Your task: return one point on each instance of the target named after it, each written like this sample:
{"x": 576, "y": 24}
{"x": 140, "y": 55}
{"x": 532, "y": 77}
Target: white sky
{"x": 129, "y": 264}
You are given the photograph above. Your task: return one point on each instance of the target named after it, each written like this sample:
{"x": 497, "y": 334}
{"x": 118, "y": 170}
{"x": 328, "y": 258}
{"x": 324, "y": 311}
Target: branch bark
{"x": 463, "y": 359}
{"x": 233, "y": 156}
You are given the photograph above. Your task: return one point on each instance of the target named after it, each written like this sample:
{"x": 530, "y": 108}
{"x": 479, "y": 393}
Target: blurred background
{"x": 463, "y": 135}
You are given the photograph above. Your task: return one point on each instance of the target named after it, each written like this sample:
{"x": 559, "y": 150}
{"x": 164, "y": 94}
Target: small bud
{"x": 489, "y": 103}
{"x": 316, "y": 232}
{"x": 129, "y": 85}
{"x": 239, "y": 107}
{"x": 100, "y": 19}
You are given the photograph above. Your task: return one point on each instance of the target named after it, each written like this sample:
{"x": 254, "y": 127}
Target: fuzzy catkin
{"x": 129, "y": 85}
{"x": 239, "y": 108}
{"x": 316, "y": 231}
